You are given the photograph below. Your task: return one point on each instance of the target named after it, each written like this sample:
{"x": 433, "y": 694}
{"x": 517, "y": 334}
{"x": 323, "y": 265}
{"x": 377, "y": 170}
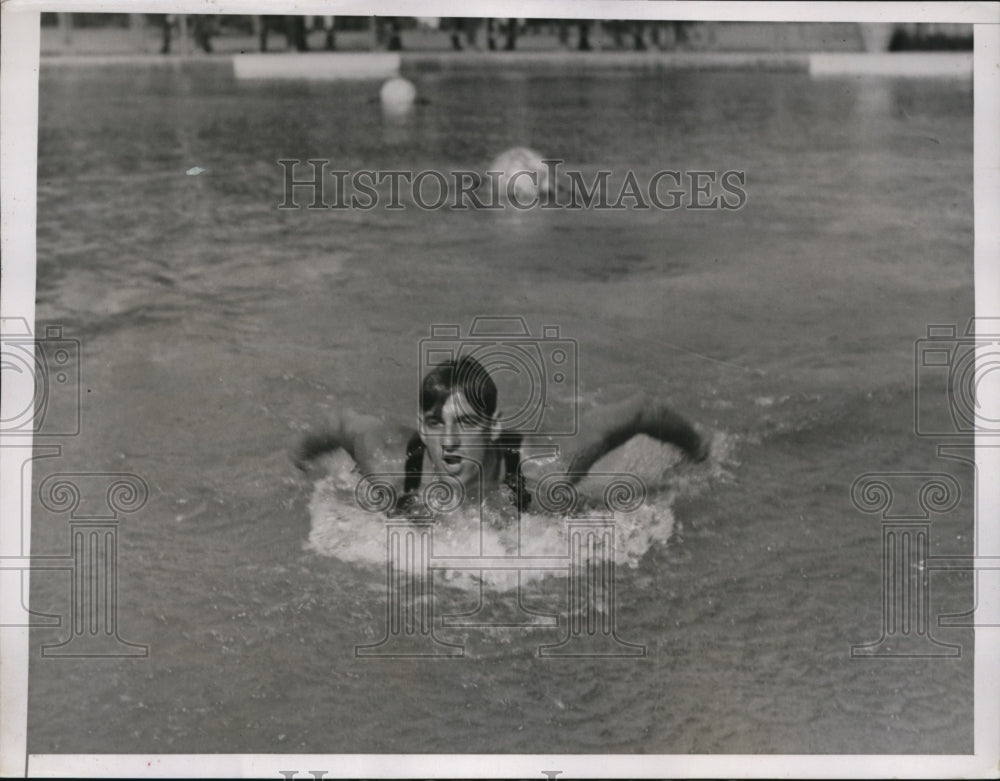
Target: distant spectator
{"x": 295, "y": 33}
{"x": 262, "y": 24}
{"x": 454, "y": 26}
{"x": 511, "y": 35}
{"x": 681, "y": 36}
{"x": 395, "y": 35}
{"x": 615, "y": 27}
{"x": 462, "y": 31}
{"x": 654, "y": 35}
{"x": 471, "y": 27}
{"x": 329, "y": 41}
{"x": 293, "y": 27}
{"x": 167, "y": 20}
{"x": 203, "y": 30}
{"x": 637, "y": 41}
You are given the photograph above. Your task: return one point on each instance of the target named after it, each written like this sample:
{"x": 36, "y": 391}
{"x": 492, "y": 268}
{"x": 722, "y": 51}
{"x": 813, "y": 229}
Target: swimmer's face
{"x": 458, "y": 439}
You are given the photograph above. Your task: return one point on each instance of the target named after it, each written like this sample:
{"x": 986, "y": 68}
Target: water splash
{"x": 343, "y": 530}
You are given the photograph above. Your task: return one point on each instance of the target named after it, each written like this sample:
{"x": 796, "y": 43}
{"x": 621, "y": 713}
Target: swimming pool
{"x": 214, "y": 326}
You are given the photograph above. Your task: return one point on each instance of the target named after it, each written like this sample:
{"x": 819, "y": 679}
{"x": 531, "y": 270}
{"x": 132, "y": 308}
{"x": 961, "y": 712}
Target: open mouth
{"x": 452, "y": 460}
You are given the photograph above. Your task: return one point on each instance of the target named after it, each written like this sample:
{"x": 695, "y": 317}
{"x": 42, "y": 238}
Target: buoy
{"x": 523, "y": 175}
{"x": 398, "y": 96}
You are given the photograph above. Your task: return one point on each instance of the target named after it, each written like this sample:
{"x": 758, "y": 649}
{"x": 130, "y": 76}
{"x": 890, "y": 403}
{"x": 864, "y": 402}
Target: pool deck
{"x": 428, "y": 61}
{"x": 352, "y": 65}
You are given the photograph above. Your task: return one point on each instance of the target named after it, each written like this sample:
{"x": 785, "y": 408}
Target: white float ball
{"x": 398, "y": 95}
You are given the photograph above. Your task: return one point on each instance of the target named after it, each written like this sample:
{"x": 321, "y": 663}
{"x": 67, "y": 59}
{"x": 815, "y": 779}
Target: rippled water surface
{"x": 215, "y": 326}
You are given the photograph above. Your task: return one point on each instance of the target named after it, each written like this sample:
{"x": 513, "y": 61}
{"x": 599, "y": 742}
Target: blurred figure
{"x": 293, "y": 28}
{"x": 471, "y": 27}
{"x": 637, "y": 36}
{"x": 203, "y": 30}
{"x": 167, "y": 20}
{"x": 295, "y": 32}
{"x": 458, "y": 25}
{"x": 584, "y": 42}
{"x": 395, "y": 35}
{"x": 203, "y": 27}
{"x": 329, "y": 40}
{"x": 615, "y": 27}
{"x": 654, "y": 35}
{"x": 929, "y": 37}
{"x": 563, "y": 33}
{"x": 681, "y": 33}
{"x": 261, "y": 25}
{"x": 454, "y": 27}
{"x": 511, "y": 43}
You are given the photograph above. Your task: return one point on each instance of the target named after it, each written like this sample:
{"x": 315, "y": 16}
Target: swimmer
{"x": 460, "y": 433}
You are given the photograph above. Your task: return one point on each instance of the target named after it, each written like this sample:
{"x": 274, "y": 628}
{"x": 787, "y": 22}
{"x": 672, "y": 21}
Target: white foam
{"x": 343, "y": 530}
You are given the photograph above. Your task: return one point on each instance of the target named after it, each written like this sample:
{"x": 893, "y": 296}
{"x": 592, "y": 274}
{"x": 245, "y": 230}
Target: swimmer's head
{"x": 459, "y": 420}
{"x": 466, "y": 375}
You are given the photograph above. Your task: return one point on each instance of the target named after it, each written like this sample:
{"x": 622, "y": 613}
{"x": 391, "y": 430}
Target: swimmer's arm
{"x": 374, "y": 445}
{"x": 607, "y": 428}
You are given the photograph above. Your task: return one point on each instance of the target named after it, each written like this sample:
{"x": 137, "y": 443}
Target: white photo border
{"x": 19, "y": 69}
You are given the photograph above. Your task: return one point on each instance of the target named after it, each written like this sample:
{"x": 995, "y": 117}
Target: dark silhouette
{"x": 637, "y": 42}
{"x": 511, "y": 35}
{"x": 203, "y": 29}
{"x": 395, "y": 35}
{"x": 293, "y": 28}
{"x": 330, "y": 40}
{"x": 167, "y": 20}
{"x": 295, "y": 32}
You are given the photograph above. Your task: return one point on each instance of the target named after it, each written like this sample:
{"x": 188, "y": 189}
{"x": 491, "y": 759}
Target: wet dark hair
{"x": 470, "y": 377}
{"x": 466, "y": 375}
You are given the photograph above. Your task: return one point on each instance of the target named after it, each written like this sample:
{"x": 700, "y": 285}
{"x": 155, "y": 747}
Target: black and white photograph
{"x": 547, "y": 395}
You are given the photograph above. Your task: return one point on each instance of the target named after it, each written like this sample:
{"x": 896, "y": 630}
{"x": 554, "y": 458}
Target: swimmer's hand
{"x": 605, "y": 429}
{"x": 373, "y": 445}
{"x": 657, "y": 420}
{"x": 704, "y": 448}
{"x": 313, "y": 445}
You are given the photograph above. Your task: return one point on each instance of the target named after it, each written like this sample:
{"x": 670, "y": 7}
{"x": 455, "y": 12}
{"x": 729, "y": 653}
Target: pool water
{"x": 215, "y": 327}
